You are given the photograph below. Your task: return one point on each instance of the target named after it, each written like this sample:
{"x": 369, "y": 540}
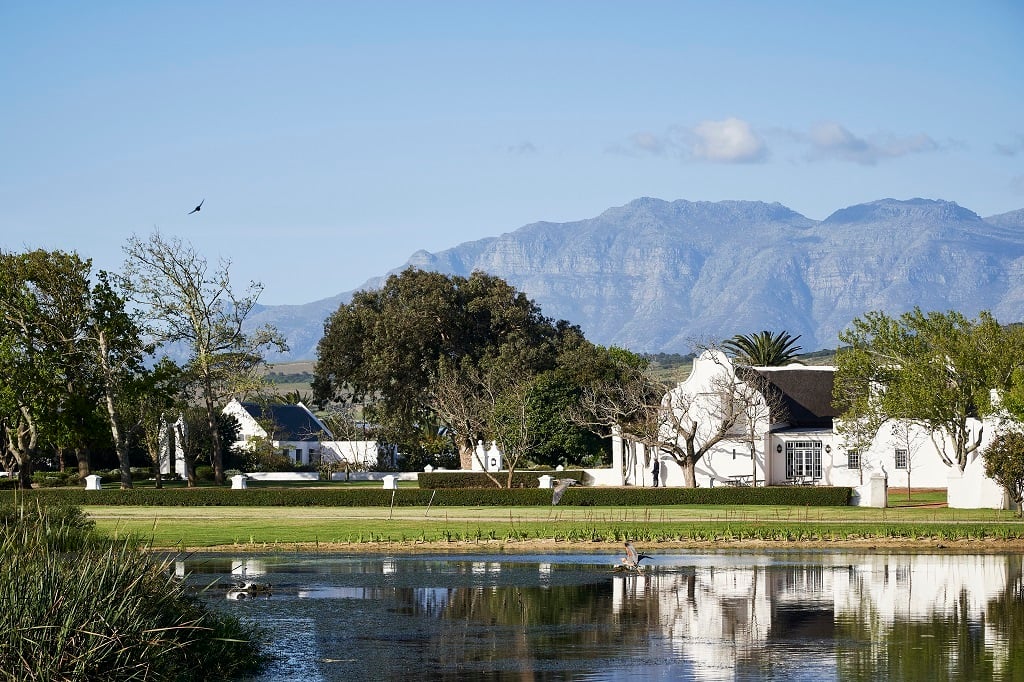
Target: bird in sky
{"x": 196, "y": 209}
{"x": 632, "y": 559}
{"x": 561, "y": 485}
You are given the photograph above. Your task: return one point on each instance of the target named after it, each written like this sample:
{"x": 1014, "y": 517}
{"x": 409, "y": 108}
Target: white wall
{"x": 360, "y": 452}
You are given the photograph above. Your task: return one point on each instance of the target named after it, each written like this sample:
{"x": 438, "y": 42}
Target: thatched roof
{"x": 803, "y": 394}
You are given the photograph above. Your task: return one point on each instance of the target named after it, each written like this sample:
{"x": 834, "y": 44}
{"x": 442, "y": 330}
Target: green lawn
{"x": 265, "y": 527}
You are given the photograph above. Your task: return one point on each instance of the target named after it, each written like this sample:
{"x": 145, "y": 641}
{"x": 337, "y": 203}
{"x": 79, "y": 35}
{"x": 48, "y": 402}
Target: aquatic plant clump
{"x": 75, "y": 606}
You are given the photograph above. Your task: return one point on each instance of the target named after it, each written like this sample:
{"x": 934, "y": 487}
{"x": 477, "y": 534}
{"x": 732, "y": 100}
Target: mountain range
{"x": 659, "y": 276}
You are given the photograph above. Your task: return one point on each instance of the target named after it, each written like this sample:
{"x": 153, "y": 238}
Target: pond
{"x": 777, "y": 615}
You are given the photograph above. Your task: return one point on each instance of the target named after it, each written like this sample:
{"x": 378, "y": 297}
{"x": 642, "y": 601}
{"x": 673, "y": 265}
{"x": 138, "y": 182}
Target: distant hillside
{"x": 656, "y": 276}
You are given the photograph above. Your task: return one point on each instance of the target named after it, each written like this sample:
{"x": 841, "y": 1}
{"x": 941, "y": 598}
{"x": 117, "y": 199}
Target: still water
{"x": 690, "y": 616}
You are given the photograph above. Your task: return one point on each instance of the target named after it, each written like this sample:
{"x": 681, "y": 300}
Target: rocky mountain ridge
{"x": 657, "y": 276}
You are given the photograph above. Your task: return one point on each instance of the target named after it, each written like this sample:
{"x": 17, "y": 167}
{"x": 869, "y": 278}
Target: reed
{"x": 77, "y": 606}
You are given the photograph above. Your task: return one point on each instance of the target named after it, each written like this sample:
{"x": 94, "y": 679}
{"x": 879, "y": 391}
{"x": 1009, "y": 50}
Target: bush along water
{"x": 76, "y": 606}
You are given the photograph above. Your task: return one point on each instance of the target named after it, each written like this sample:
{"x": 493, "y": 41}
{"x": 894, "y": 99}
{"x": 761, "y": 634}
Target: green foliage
{"x": 1004, "y": 462}
{"x": 204, "y": 473}
{"x": 448, "y": 497}
{"x": 763, "y": 349}
{"x": 559, "y": 441}
{"x": 935, "y": 369}
{"x": 468, "y": 352}
{"x": 80, "y": 607}
{"x": 53, "y": 479}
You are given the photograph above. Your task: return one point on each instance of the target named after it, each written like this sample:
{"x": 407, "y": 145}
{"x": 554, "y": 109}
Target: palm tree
{"x": 763, "y": 349}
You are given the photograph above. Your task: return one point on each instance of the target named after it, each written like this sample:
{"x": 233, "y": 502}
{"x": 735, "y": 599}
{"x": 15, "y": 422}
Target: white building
{"x": 299, "y": 435}
{"x": 788, "y": 436}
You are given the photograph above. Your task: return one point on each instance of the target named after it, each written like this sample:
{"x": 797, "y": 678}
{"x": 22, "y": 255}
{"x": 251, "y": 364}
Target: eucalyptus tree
{"x": 119, "y": 350}
{"x": 763, "y": 349}
{"x": 936, "y": 370}
{"x": 185, "y": 300}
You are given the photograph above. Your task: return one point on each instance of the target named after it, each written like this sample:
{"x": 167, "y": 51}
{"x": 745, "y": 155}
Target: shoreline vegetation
{"x": 81, "y": 605}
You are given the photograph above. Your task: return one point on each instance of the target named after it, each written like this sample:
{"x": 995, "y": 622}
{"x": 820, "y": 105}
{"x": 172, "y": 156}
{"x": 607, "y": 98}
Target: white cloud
{"x": 831, "y": 140}
{"x": 729, "y": 141}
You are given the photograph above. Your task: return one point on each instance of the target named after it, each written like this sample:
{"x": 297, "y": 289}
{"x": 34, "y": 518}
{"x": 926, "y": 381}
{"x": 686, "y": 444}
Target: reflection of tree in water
{"x": 535, "y": 623}
{"x": 1006, "y": 614}
{"x": 950, "y": 644}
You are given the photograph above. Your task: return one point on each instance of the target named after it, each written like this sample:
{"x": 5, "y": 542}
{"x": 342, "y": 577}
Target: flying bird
{"x": 197, "y": 208}
{"x": 561, "y": 485}
{"x": 632, "y": 559}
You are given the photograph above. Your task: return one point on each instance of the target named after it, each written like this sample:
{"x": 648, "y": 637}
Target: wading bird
{"x": 632, "y": 559}
{"x": 561, "y": 485}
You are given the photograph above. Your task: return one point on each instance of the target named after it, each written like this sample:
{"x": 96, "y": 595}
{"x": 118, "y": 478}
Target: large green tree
{"x": 50, "y": 386}
{"x": 186, "y": 301}
{"x": 427, "y": 346}
{"x": 937, "y": 370}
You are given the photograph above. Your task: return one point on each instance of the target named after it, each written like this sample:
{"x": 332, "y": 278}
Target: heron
{"x": 633, "y": 558}
{"x": 561, "y": 485}
{"x": 197, "y": 208}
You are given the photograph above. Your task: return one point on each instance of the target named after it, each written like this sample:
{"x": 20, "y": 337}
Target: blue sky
{"x": 332, "y": 140}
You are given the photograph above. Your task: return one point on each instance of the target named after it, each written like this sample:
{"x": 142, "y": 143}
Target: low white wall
{"x": 375, "y": 475}
{"x": 284, "y": 476}
{"x": 604, "y": 477}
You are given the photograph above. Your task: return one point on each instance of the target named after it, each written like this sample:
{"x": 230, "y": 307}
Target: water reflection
{"x": 723, "y": 616}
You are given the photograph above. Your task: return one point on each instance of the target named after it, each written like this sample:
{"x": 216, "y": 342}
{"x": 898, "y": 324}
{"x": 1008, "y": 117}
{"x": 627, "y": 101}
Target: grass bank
{"x": 355, "y": 528}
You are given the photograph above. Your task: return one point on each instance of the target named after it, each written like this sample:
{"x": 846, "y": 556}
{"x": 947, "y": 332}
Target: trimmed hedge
{"x": 465, "y": 497}
{"x": 437, "y": 480}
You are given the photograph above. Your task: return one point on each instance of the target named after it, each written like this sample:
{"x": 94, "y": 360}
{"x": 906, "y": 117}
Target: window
{"x": 901, "y": 459}
{"x": 852, "y": 459}
{"x": 298, "y": 455}
{"x": 803, "y": 459}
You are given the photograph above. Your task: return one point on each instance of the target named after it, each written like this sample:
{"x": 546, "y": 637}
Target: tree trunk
{"x": 465, "y": 454}
{"x": 25, "y": 474}
{"x": 689, "y": 473}
{"x": 158, "y": 477}
{"x": 21, "y": 445}
{"x": 120, "y": 447}
{"x": 84, "y": 458}
{"x": 216, "y": 461}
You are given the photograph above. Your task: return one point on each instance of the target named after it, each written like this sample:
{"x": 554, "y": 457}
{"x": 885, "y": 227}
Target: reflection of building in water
{"x": 917, "y": 586}
{"x": 485, "y": 567}
{"x": 710, "y": 616}
{"x": 727, "y": 620}
{"x": 248, "y": 567}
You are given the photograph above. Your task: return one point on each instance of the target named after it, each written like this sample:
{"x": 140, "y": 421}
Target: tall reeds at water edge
{"x": 75, "y": 606}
